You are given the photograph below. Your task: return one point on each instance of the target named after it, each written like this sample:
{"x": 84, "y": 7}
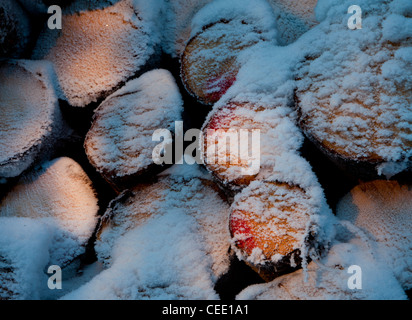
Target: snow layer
{"x": 256, "y": 12}
{"x": 24, "y": 255}
{"x": 383, "y": 209}
{"x": 30, "y": 115}
{"x": 119, "y": 142}
{"x": 328, "y": 279}
{"x": 167, "y": 240}
{"x": 353, "y": 91}
{"x": 99, "y": 48}
{"x": 59, "y": 195}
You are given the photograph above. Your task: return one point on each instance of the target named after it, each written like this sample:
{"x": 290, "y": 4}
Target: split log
{"x": 168, "y": 239}
{"x": 119, "y": 144}
{"x": 98, "y": 49}
{"x": 272, "y": 229}
{"x": 383, "y": 210}
{"x": 30, "y": 120}
{"x": 14, "y": 29}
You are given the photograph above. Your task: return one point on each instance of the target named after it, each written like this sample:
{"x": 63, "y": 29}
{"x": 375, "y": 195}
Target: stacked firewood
{"x": 80, "y": 167}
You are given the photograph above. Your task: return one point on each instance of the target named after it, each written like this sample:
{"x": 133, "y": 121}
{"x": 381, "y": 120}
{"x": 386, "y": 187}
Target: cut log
{"x": 46, "y": 219}
{"x": 383, "y": 209}
{"x": 119, "y": 144}
{"x": 30, "y": 119}
{"x": 14, "y": 29}
{"x": 168, "y": 239}
{"x": 275, "y": 135}
{"x": 209, "y": 64}
{"x": 61, "y": 195}
{"x": 98, "y": 49}
{"x": 359, "y": 115}
{"x": 270, "y": 227}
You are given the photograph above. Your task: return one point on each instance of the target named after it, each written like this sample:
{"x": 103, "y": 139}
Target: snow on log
{"x": 178, "y": 17}
{"x": 14, "y": 29}
{"x": 60, "y": 194}
{"x": 119, "y": 144}
{"x": 273, "y": 227}
{"x": 167, "y": 240}
{"x": 383, "y": 209}
{"x": 30, "y": 119}
{"x": 328, "y": 279}
{"x": 99, "y": 47}
{"x": 353, "y": 95}
{"x": 276, "y": 135}
{"x": 46, "y": 219}
{"x": 24, "y": 253}
{"x": 220, "y": 32}
{"x": 293, "y": 18}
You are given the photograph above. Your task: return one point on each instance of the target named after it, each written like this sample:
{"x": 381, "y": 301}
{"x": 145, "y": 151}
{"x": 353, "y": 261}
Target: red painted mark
{"x": 241, "y": 228}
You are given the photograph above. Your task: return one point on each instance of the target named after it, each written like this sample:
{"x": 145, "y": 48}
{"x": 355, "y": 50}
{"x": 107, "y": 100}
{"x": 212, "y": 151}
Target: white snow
{"x": 383, "y": 209}
{"x": 293, "y": 18}
{"x": 120, "y": 141}
{"x": 169, "y": 240}
{"x": 257, "y": 13}
{"x": 328, "y": 279}
{"x": 24, "y": 254}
